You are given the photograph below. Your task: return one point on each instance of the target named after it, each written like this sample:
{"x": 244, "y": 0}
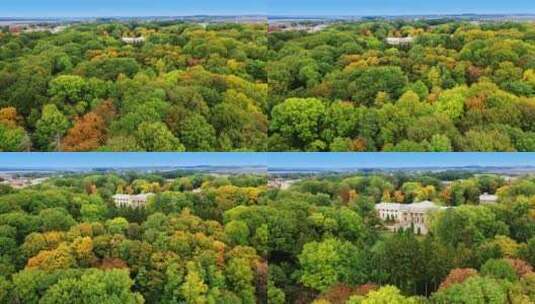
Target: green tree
{"x": 451, "y": 102}
{"x": 486, "y": 141}
{"x": 117, "y": 225}
{"x": 56, "y": 219}
{"x": 476, "y": 290}
{"x": 197, "y": 134}
{"x": 328, "y": 262}
{"x": 94, "y": 286}
{"x": 298, "y": 120}
{"x": 13, "y": 139}
{"x": 50, "y": 128}
{"x": 194, "y": 288}
{"x": 5, "y": 290}
{"x": 370, "y": 81}
{"x": 240, "y": 278}
{"x": 440, "y": 143}
{"x": 384, "y": 295}
{"x": 237, "y": 232}
{"x": 69, "y": 87}
{"x": 93, "y": 212}
{"x": 499, "y": 269}
{"x": 157, "y": 137}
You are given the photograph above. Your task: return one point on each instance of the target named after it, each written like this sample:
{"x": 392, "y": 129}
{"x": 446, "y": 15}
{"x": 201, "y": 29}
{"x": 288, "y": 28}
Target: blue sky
{"x": 92, "y": 8}
{"x": 92, "y": 160}
{"x": 274, "y": 160}
{"x": 396, "y": 7}
{"x": 397, "y": 160}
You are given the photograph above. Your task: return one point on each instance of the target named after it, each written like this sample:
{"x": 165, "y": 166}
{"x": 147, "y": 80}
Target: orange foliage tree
{"x": 87, "y": 134}
{"x": 89, "y": 131}
{"x": 521, "y": 267}
{"x": 457, "y": 275}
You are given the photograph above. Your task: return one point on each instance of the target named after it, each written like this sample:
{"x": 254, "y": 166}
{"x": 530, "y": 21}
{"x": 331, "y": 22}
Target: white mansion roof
{"x": 419, "y": 207}
{"x": 398, "y": 41}
{"x": 136, "y": 201}
{"x": 389, "y": 206}
{"x": 488, "y": 197}
{"x": 142, "y": 196}
{"x": 133, "y": 39}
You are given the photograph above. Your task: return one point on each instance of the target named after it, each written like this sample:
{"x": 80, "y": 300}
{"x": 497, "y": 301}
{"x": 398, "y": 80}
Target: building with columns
{"x": 399, "y": 40}
{"x": 132, "y": 201}
{"x": 407, "y": 216}
{"x": 133, "y": 40}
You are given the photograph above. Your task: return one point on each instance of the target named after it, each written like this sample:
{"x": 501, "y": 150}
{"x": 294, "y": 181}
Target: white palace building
{"x": 133, "y": 40}
{"x": 132, "y": 201}
{"x": 407, "y": 216}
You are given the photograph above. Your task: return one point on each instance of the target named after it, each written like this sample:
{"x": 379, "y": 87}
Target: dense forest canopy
{"x": 185, "y": 87}
{"x": 327, "y": 244}
{"x": 205, "y": 238}
{"x": 65, "y": 241}
{"x": 448, "y": 86}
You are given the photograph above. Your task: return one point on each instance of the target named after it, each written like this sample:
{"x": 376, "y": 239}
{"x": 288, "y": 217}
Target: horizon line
{"x": 137, "y": 16}
{"x": 267, "y": 15}
{"x": 268, "y": 167}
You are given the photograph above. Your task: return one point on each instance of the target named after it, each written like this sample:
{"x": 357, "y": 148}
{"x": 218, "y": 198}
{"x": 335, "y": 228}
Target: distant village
{"x": 34, "y": 28}
{"x": 57, "y": 25}
{"x": 18, "y": 28}
{"x": 19, "y": 181}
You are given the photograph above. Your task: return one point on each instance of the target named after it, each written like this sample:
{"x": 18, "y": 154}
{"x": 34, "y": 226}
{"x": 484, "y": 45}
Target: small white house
{"x": 281, "y": 183}
{"x": 486, "y": 198}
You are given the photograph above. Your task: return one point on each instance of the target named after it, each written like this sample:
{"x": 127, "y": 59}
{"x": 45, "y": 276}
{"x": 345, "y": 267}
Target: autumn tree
{"x": 86, "y": 134}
